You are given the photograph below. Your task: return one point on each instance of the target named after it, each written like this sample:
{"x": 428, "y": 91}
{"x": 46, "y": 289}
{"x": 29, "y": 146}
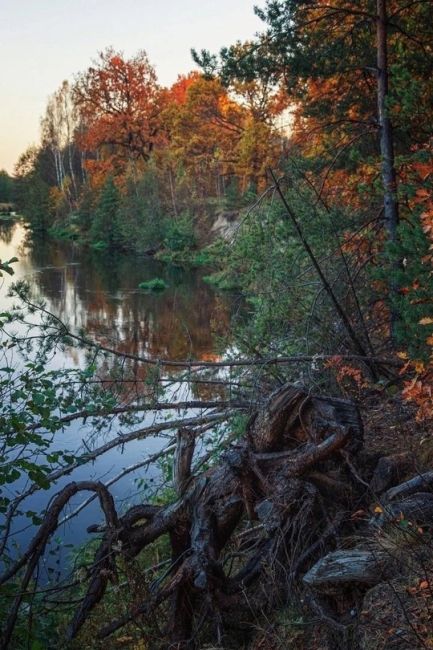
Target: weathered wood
{"x": 329, "y": 410}
{"x": 347, "y": 567}
{"x": 281, "y": 414}
{"x": 257, "y": 478}
{"x": 416, "y": 508}
{"x": 422, "y": 482}
{"x": 185, "y": 444}
{"x": 285, "y": 472}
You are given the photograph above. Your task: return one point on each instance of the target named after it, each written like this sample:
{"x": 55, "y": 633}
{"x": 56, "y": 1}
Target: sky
{"x": 43, "y": 42}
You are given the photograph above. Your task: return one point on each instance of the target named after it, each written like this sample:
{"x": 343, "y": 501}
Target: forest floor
{"x": 397, "y": 614}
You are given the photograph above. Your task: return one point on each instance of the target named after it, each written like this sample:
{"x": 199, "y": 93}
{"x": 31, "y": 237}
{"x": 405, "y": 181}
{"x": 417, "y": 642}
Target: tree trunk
{"x": 389, "y": 179}
{"x": 386, "y": 135}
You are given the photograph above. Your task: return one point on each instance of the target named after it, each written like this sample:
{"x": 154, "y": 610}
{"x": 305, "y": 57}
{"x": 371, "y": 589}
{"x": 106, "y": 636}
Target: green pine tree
{"x": 105, "y": 231}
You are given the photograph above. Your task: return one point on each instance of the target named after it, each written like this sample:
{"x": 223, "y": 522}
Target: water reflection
{"x": 6, "y": 231}
{"x": 99, "y": 293}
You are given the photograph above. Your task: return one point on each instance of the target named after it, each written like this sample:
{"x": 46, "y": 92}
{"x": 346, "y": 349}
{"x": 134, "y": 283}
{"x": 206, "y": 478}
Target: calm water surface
{"x": 98, "y": 292}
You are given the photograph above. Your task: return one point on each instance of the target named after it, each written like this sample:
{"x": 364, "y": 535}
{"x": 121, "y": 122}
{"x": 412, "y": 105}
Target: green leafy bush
{"x": 156, "y": 284}
{"x": 179, "y": 233}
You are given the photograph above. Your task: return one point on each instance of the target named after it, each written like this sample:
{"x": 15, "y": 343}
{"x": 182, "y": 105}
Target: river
{"x": 99, "y": 292}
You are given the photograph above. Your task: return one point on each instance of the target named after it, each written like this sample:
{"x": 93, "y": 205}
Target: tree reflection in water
{"x": 97, "y": 292}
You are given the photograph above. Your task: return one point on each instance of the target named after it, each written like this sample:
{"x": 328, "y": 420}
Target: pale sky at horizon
{"x": 43, "y": 42}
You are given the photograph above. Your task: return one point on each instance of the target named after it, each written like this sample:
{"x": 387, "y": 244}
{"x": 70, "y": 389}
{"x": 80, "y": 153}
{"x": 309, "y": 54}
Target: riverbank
{"x": 97, "y": 293}
{"x": 338, "y": 530}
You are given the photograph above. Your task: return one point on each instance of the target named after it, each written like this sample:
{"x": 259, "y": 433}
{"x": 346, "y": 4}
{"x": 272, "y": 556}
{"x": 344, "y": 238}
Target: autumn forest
{"x": 291, "y": 500}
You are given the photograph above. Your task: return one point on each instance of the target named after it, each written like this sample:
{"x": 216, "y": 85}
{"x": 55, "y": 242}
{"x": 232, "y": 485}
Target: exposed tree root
{"x": 273, "y": 507}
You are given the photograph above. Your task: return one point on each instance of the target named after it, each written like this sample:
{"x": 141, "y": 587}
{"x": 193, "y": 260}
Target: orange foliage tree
{"x": 118, "y": 101}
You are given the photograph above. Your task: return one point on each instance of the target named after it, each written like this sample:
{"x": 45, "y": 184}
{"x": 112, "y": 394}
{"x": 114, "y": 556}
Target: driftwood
{"x": 185, "y": 444}
{"x": 340, "y": 580}
{"x": 420, "y": 483}
{"x": 274, "y": 507}
{"x": 416, "y": 508}
{"x": 347, "y": 567}
{"x": 337, "y": 582}
{"x": 275, "y": 489}
{"x": 264, "y": 478}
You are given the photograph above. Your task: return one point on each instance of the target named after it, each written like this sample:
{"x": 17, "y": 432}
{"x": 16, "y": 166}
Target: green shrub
{"x": 66, "y": 232}
{"x": 156, "y": 284}
{"x": 105, "y": 230}
{"x": 179, "y": 233}
{"x": 222, "y": 281}
{"x": 100, "y": 245}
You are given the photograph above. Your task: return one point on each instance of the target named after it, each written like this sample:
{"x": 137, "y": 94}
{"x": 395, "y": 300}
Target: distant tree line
{"x": 7, "y": 187}
{"x": 119, "y": 152}
{"x": 335, "y": 98}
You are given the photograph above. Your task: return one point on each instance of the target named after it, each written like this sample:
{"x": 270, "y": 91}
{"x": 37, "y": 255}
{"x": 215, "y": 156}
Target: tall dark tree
{"x": 356, "y": 74}
{"x": 389, "y": 179}
{"x": 6, "y": 187}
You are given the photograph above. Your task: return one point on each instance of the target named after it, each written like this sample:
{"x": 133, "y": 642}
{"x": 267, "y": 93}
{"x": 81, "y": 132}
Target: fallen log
{"x": 336, "y": 585}
{"x": 422, "y": 482}
{"x": 346, "y": 568}
{"x": 416, "y": 508}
